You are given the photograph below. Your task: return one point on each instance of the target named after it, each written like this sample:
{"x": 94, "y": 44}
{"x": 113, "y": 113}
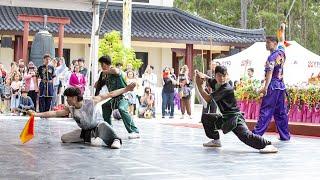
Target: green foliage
{"x": 112, "y": 45}
{"x": 304, "y": 21}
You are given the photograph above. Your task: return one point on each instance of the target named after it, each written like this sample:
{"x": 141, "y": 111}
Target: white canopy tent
{"x": 300, "y": 63}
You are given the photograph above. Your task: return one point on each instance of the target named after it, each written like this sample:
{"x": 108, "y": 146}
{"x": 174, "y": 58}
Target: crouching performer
{"x": 93, "y": 129}
{"x": 230, "y": 118}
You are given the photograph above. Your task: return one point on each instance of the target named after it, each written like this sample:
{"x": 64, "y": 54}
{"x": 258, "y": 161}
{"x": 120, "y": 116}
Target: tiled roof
{"x": 153, "y": 23}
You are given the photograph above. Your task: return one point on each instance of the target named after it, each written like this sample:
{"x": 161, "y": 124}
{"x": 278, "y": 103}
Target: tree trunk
{"x": 305, "y": 22}
{"x": 244, "y": 12}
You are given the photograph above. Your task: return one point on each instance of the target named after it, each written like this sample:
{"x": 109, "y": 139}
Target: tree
{"x": 112, "y": 46}
{"x": 303, "y": 22}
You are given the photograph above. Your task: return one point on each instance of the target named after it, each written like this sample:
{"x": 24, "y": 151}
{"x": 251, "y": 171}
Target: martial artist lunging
{"x": 274, "y": 91}
{"x": 93, "y": 130}
{"x": 230, "y": 118}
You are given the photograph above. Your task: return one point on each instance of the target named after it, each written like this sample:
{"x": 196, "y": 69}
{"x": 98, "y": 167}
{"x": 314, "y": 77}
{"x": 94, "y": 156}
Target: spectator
{"x": 250, "y": 74}
{"x": 185, "y": 91}
{"x": 2, "y": 80}
{"x": 31, "y": 83}
{"x": 25, "y": 102}
{"x": 147, "y": 104}
{"x": 169, "y": 83}
{"x": 132, "y": 95}
{"x": 7, "y": 93}
{"x": 15, "y": 91}
{"x": 83, "y": 69}
{"x": 77, "y": 79}
{"x": 210, "y": 72}
{"x": 149, "y": 79}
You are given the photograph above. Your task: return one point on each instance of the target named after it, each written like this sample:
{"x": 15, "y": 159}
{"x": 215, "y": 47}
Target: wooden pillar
{"x": 25, "y": 41}
{"x": 60, "y": 44}
{"x": 208, "y": 58}
{"x": 18, "y": 47}
{"x": 189, "y": 58}
{"x": 175, "y": 63}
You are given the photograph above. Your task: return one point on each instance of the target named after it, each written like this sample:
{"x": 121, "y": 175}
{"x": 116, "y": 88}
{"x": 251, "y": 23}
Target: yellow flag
{"x": 28, "y": 130}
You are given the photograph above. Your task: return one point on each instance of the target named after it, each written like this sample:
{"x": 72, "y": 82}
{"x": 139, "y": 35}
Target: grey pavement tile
{"x": 163, "y": 152}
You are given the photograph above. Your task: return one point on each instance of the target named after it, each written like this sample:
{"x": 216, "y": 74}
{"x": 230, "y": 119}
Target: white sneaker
{"x": 182, "y": 117}
{"x": 212, "y": 143}
{"x": 116, "y": 144}
{"x": 269, "y": 149}
{"x": 134, "y": 135}
{"x": 97, "y": 142}
{"x": 190, "y": 117}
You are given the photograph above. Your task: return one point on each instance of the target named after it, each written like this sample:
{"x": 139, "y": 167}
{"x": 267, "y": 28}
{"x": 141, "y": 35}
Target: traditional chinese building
{"x": 161, "y": 34}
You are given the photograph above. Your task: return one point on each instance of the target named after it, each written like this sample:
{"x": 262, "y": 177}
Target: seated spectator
{"x": 147, "y": 109}
{"x": 25, "y": 102}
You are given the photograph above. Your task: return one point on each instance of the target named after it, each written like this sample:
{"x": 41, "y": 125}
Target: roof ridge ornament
{"x": 45, "y": 20}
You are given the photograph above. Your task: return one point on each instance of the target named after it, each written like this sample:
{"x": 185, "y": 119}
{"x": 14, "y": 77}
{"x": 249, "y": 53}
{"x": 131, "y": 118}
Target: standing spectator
{"x": 210, "y": 72}
{"x": 7, "y": 93}
{"x": 83, "y": 69}
{"x": 22, "y": 68}
{"x": 15, "y": 91}
{"x": 77, "y": 79}
{"x": 131, "y": 95}
{"x": 59, "y": 69}
{"x": 46, "y": 74}
{"x": 149, "y": 79}
{"x": 250, "y": 74}
{"x": 169, "y": 83}
{"x": 2, "y": 80}
{"x": 185, "y": 91}
{"x": 31, "y": 83}
{"x": 13, "y": 68}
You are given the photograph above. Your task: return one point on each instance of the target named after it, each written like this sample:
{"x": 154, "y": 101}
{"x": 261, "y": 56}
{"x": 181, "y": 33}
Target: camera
{"x": 165, "y": 75}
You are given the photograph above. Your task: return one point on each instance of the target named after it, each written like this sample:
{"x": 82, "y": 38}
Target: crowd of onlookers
{"x": 26, "y": 86}
{"x": 20, "y": 86}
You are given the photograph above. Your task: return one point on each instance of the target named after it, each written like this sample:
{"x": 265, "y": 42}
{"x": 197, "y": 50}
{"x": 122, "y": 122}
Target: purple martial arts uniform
{"x": 274, "y": 102}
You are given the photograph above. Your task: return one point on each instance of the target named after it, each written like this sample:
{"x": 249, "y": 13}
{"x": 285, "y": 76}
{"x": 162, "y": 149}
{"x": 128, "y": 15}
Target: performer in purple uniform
{"x": 274, "y": 91}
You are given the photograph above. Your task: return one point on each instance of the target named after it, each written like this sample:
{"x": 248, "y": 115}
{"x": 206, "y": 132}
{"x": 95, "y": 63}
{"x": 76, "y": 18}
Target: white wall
{"x": 76, "y": 50}
{"x": 157, "y": 57}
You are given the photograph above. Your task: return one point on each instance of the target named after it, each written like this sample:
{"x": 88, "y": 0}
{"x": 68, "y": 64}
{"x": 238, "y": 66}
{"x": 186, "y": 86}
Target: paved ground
{"x": 163, "y": 152}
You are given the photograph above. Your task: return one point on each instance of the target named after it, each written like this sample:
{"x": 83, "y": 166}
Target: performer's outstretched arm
{"x": 203, "y": 93}
{"x": 49, "y": 114}
{"x": 115, "y": 93}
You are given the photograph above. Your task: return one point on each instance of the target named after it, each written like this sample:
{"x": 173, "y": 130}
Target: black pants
{"x": 44, "y": 103}
{"x": 241, "y": 131}
{"x": 33, "y": 96}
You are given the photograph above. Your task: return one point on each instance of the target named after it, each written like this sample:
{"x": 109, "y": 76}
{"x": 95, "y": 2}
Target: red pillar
{"x": 175, "y": 63}
{"x": 18, "y": 46}
{"x": 25, "y": 41}
{"x": 60, "y": 44}
{"x": 189, "y": 58}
